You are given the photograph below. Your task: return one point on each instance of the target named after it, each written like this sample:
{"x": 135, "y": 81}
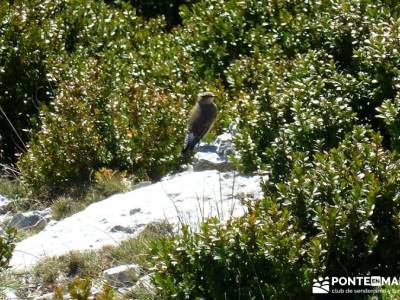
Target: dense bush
{"x": 311, "y": 55}
{"x": 249, "y": 258}
{"x": 23, "y": 81}
{"x": 302, "y": 106}
{"x": 308, "y": 102}
{"x": 313, "y": 87}
{"x": 37, "y": 39}
{"x": 7, "y": 244}
{"x": 336, "y": 215}
{"x": 128, "y": 127}
{"x": 101, "y": 116}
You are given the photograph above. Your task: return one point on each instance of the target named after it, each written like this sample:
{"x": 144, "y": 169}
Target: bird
{"x": 201, "y": 119}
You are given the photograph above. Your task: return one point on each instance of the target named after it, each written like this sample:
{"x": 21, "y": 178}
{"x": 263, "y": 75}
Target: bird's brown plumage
{"x": 201, "y": 119}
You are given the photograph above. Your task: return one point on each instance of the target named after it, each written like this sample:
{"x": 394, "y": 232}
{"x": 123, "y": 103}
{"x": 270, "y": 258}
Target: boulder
{"x": 123, "y": 275}
{"x": 184, "y": 198}
{"x": 224, "y": 145}
{"x": 4, "y": 202}
{"x": 31, "y": 220}
{"x": 45, "y": 296}
{"x": 214, "y": 156}
{"x": 144, "y": 286}
{"x": 10, "y": 294}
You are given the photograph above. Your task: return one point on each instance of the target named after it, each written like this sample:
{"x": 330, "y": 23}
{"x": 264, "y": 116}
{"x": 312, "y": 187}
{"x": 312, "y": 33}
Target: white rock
{"x": 123, "y": 275}
{"x": 9, "y": 294}
{"x": 224, "y": 145}
{"x": 204, "y": 160}
{"x": 188, "y": 197}
{"x": 4, "y": 219}
{"x": 4, "y": 202}
{"x": 144, "y": 285}
{"x": 44, "y": 297}
{"x": 31, "y": 220}
{"x": 214, "y": 156}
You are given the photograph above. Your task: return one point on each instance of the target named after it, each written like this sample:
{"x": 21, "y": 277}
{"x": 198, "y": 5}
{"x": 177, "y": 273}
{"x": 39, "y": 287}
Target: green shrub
{"x": 80, "y": 289}
{"x": 36, "y": 38}
{"x": 379, "y": 76}
{"x": 251, "y": 258}
{"x": 335, "y": 215}
{"x": 304, "y": 105}
{"x": 7, "y": 247}
{"x": 118, "y": 126}
{"x": 107, "y": 52}
{"x": 332, "y": 77}
{"x": 23, "y": 81}
{"x": 349, "y": 198}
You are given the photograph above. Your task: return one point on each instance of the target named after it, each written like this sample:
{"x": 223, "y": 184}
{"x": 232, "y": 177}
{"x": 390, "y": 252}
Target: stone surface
{"x": 144, "y": 285}
{"x": 31, "y": 220}
{"x": 141, "y": 184}
{"x": 10, "y": 294}
{"x": 188, "y": 197}
{"x": 45, "y": 297}
{"x": 123, "y": 275}
{"x": 224, "y": 145}
{"x": 214, "y": 156}
{"x": 4, "y": 202}
{"x": 210, "y": 161}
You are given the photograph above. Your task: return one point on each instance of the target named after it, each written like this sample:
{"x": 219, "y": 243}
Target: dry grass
{"x": 60, "y": 271}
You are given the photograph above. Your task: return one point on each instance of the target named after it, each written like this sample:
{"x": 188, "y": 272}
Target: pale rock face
{"x": 206, "y": 160}
{"x": 185, "y": 198}
{"x": 4, "y": 202}
{"x": 32, "y": 220}
{"x": 123, "y": 275}
{"x": 214, "y": 156}
{"x": 224, "y": 145}
{"x": 9, "y": 294}
{"x": 144, "y": 285}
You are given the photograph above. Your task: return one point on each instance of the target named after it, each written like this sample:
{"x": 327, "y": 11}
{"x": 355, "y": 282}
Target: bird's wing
{"x": 199, "y": 125}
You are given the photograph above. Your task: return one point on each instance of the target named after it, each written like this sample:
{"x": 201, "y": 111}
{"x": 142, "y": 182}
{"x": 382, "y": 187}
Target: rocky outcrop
{"x": 214, "y": 156}
{"x": 126, "y": 275}
{"x": 187, "y": 197}
{"x": 144, "y": 286}
{"x": 210, "y": 188}
{"x": 32, "y": 220}
{"x": 4, "y": 203}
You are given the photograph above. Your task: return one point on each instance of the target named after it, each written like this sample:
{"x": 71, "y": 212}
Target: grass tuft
{"x": 60, "y": 271}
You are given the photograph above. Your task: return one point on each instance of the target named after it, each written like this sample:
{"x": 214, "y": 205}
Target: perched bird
{"x": 201, "y": 119}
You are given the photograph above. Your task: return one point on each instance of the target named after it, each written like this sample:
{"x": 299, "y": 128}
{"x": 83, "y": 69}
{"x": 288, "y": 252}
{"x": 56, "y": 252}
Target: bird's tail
{"x": 192, "y": 140}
